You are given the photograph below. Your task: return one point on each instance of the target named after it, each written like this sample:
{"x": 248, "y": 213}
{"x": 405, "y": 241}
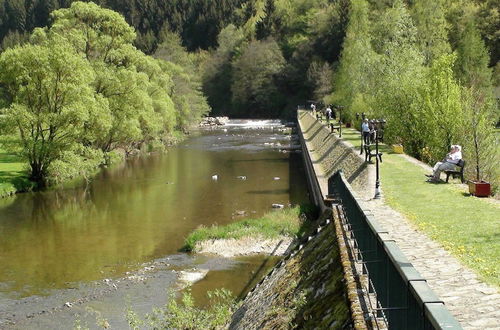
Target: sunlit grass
{"x": 287, "y": 222}
{"x": 12, "y": 174}
{"x": 468, "y": 227}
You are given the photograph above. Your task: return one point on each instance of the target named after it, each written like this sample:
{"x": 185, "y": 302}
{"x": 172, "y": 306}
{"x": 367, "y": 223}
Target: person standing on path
{"x": 328, "y": 113}
{"x": 365, "y": 131}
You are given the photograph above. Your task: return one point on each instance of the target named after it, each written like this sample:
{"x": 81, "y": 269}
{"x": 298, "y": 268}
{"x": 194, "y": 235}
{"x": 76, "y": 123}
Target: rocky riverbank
{"x": 245, "y": 246}
{"x": 214, "y": 121}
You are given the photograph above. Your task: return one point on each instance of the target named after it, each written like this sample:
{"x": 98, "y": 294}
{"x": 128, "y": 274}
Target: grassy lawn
{"x": 12, "y": 174}
{"x": 286, "y": 222}
{"x": 468, "y": 227}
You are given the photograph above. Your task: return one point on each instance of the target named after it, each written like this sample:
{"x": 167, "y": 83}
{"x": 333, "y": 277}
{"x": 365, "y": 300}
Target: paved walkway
{"x": 475, "y": 304}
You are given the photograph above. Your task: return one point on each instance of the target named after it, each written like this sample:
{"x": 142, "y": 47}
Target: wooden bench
{"x": 333, "y": 127}
{"x": 369, "y": 154}
{"x": 456, "y": 174}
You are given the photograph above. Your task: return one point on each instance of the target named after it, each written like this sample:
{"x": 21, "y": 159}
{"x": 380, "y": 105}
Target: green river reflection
{"x": 143, "y": 209}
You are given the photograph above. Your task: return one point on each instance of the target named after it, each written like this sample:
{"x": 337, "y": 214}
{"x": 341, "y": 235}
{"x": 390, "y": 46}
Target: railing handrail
{"x": 429, "y": 307}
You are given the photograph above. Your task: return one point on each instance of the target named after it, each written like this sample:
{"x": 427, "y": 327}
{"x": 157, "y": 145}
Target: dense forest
{"x": 430, "y": 67}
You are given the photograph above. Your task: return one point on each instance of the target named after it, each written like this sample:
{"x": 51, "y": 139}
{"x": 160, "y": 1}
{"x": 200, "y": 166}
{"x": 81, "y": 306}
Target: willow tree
{"x": 133, "y": 84}
{"x": 49, "y": 101}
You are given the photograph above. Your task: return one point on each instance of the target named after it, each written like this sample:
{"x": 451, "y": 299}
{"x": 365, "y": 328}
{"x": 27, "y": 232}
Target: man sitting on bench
{"x": 449, "y": 163}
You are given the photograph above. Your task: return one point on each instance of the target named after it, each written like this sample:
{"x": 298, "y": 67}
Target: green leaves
{"x": 80, "y": 89}
{"x": 254, "y": 85}
{"x": 50, "y": 96}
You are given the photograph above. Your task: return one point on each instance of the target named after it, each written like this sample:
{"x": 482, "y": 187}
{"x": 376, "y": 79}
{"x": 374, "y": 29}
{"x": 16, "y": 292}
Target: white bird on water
{"x": 215, "y": 177}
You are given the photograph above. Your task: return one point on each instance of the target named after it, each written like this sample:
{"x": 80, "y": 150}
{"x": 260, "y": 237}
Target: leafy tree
{"x": 320, "y": 76}
{"x": 488, "y": 21}
{"x": 354, "y": 78}
{"x": 50, "y": 99}
{"x": 134, "y": 85}
{"x": 398, "y": 73}
{"x": 442, "y": 107}
{"x": 329, "y": 30}
{"x": 472, "y": 63}
{"x": 218, "y": 71}
{"x": 186, "y": 93}
{"x": 255, "y": 77}
{"x": 432, "y": 27}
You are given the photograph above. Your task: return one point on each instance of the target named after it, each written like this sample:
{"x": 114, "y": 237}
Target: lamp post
{"x": 378, "y": 158}
{"x": 340, "y": 107}
{"x": 377, "y": 175}
{"x": 360, "y": 132}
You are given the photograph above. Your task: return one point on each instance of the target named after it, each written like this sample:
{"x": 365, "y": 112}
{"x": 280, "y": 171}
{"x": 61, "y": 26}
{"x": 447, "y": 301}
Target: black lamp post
{"x": 360, "y": 132}
{"x": 340, "y": 107}
{"x": 378, "y": 158}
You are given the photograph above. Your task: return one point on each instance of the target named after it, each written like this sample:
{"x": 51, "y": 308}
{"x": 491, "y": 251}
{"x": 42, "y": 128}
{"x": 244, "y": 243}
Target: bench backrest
{"x": 461, "y": 164}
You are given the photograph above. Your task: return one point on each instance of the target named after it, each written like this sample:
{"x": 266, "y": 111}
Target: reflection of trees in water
{"x": 129, "y": 214}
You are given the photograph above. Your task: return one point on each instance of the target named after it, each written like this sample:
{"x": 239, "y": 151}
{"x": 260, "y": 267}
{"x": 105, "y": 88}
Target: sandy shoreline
{"x": 244, "y": 246}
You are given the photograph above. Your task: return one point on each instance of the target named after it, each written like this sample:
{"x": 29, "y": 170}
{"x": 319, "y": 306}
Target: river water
{"x": 82, "y": 244}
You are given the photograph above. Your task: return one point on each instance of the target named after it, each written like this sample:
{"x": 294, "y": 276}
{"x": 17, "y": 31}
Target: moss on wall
{"x": 305, "y": 291}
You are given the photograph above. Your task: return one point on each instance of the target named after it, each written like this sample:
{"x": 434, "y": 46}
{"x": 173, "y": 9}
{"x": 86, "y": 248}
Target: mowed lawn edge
{"x": 13, "y": 175}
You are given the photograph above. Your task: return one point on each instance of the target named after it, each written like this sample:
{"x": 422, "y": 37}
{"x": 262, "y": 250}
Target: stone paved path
{"x": 474, "y": 304}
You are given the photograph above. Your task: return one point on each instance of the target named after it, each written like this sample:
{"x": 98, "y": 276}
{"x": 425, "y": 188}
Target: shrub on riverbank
{"x": 287, "y": 222}
{"x": 185, "y": 315}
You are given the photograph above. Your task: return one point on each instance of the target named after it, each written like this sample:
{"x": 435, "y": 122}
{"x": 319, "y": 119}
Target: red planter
{"x": 479, "y": 188}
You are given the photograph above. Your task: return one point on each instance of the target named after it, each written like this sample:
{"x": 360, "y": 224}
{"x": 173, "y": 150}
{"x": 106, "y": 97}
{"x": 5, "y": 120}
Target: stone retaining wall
{"x": 330, "y": 154}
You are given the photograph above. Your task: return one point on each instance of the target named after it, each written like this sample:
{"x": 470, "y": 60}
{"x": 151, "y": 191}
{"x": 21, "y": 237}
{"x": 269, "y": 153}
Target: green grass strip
{"x": 287, "y": 222}
{"x": 468, "y": 227}
{"x": 13, "y": 176}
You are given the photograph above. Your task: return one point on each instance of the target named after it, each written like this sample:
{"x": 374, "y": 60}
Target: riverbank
{"x": 270, "y": 234}
{"x": 14, "y": 172}
{"x": 13, "y": 176}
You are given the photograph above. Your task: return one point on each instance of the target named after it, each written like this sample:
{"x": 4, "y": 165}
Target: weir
{"x": 383, "y": 288}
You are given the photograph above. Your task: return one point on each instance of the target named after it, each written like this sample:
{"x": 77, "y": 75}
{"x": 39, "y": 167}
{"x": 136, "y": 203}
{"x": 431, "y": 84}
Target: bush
{"x": 185, "y": 315}
{"x": 80, "y": 162}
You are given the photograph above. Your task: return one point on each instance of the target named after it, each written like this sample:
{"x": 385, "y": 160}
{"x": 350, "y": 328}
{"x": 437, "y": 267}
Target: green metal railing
{"x": 404, "y": 299}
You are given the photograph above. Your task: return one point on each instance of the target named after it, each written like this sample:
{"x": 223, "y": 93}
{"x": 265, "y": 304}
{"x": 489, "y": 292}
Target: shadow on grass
{"x": 8, "y": 158}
